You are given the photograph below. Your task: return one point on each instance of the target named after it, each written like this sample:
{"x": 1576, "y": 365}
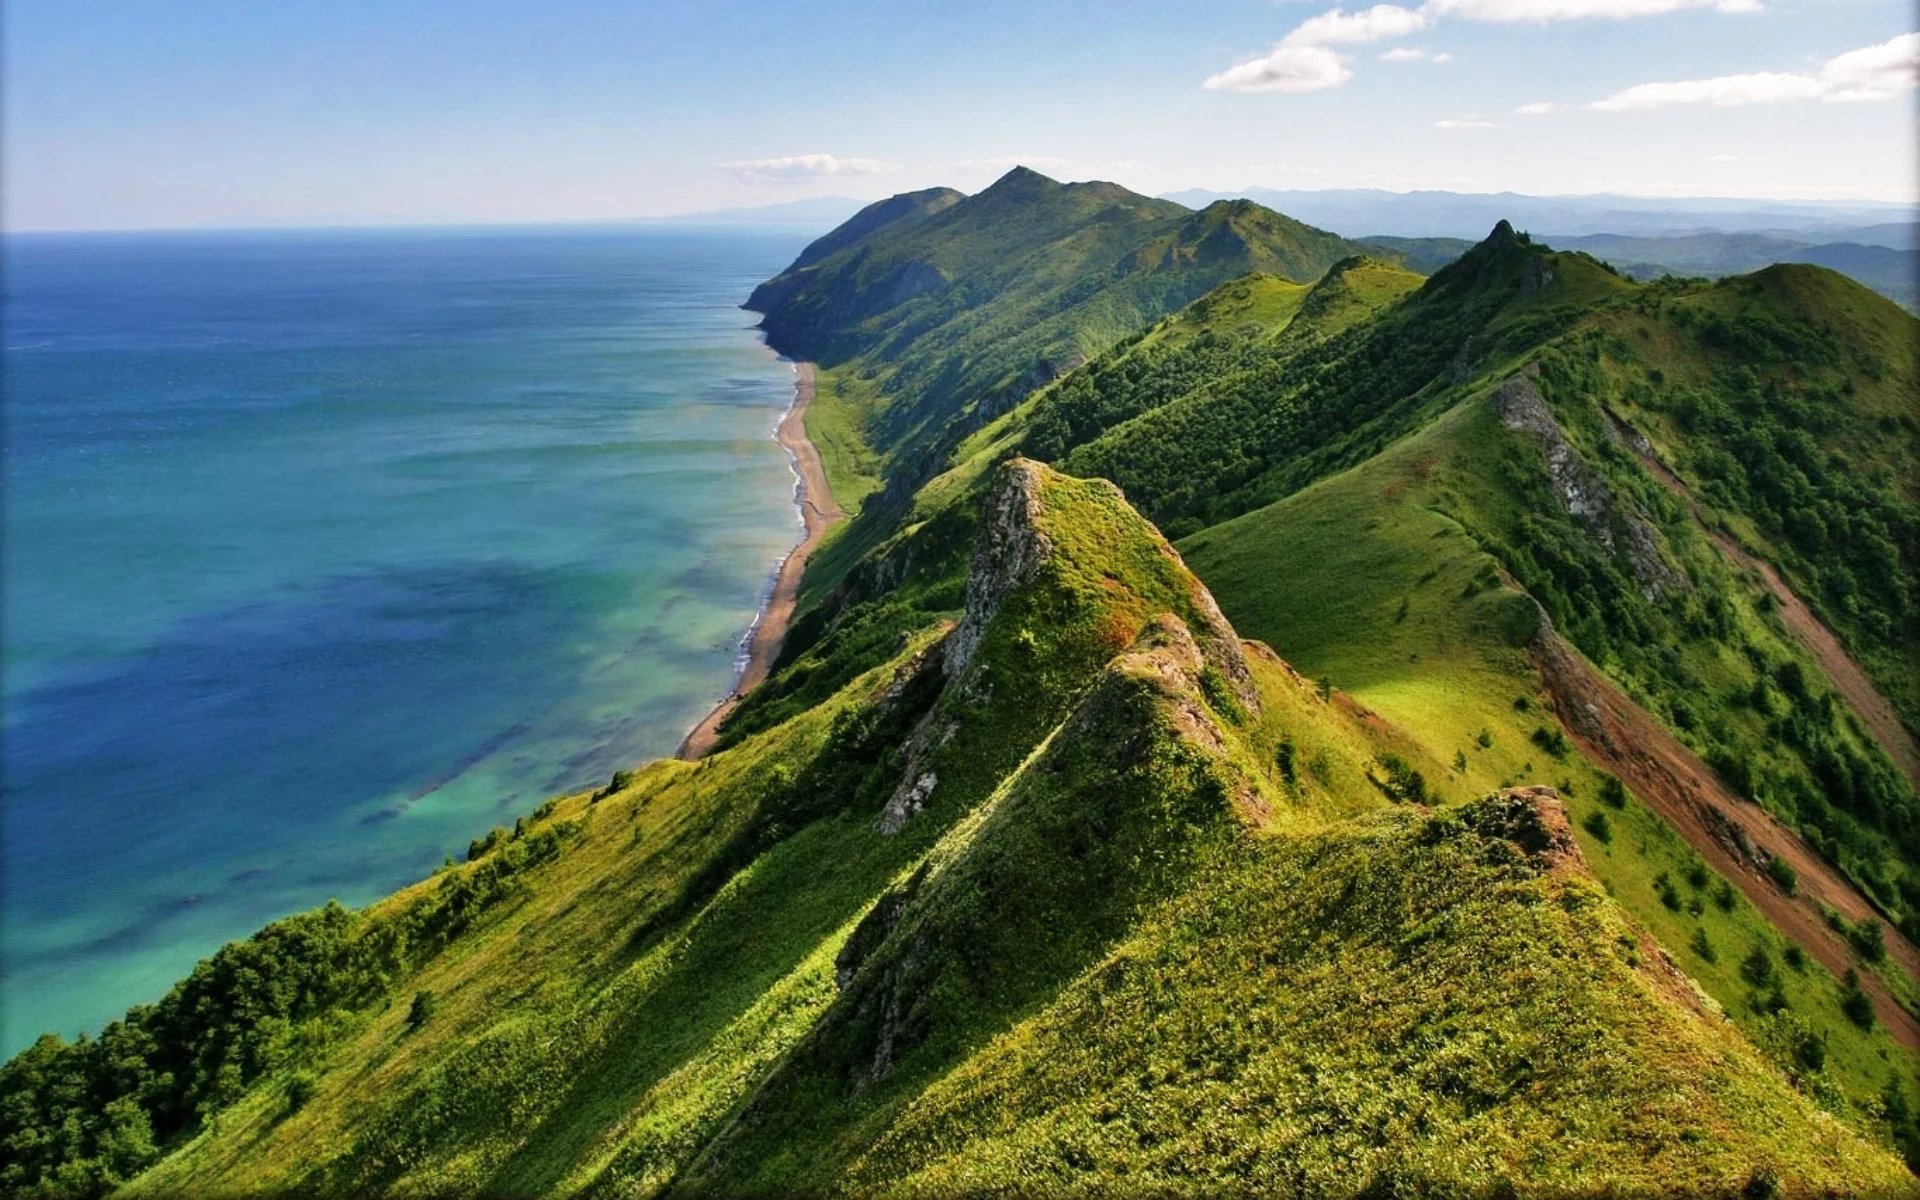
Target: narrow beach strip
{"x": 818, "y": 512}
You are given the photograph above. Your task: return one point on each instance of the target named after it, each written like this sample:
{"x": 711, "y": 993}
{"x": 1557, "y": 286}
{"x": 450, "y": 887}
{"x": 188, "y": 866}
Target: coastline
{"x": 818, "y": 512}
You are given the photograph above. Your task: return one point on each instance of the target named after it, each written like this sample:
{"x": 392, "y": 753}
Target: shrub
{"x": 300, "y": 1089}
{"x": 1702, "y": 947}
{"x": 1669, "y": 894}
{"x": 1783, "y": 875}
{"x": 621, "y": 781}
{"x": 1553, "y": 741}
{"x": 1854, "y": 1002}
{"x": 425, "y": 1004}
{"x": 480, "y": 846}
{"x": 1757, "y": 967}
{"x": 1283, "y": 757}
{"x": 1810, "y": 1053}
{"x": 1401, "y": 783}
{"x": 1597, "y": 824}
{"x": 1613, "y": 793}
{"x": 1723, "y": 897}
{"x": 1868, "y": 937}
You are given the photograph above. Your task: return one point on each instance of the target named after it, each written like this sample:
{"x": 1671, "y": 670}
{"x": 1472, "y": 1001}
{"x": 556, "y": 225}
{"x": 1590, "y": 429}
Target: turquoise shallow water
{"x": 325, "y": 552}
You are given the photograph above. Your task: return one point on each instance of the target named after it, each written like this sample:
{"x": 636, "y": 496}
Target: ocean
{"x": 324, "y": 552}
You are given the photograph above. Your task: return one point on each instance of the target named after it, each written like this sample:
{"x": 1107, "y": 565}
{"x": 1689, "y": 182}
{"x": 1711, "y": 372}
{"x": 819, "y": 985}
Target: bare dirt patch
{"x": 1875, "y": 712}
{"x": 1736, "y": 838}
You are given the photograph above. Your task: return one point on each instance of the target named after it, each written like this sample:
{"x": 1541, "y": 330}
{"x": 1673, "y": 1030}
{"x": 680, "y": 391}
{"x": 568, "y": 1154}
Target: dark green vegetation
{"x": 1887, "y": 269}
{"x": 958, "y": 314}
{"x": 1024, "y": 873}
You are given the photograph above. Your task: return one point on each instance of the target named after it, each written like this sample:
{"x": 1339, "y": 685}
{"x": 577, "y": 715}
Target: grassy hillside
{"x": 1411, "y": 611}
{"x": 1783, "y": 400}
{"x": 1048, "y": 952}
{"x": 1552, "y": 852}
{"x": 956, "y": 315}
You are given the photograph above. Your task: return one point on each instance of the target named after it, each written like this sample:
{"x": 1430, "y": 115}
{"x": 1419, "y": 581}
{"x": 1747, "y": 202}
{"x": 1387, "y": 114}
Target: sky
{"x": 132, "y": 114}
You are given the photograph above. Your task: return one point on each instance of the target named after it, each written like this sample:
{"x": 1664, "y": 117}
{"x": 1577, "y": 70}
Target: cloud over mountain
{"x": 1876, "y": 72}
{"x": 804, "y": 166}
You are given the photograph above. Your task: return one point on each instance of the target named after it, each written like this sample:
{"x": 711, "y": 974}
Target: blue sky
{"x": 123, "y": 114}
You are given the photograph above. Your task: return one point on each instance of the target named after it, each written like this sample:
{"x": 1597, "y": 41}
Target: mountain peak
{"x": 1024, "y": 179}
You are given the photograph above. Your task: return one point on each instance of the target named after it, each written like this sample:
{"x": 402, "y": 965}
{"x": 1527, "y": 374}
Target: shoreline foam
{"x": 813, "y": 500}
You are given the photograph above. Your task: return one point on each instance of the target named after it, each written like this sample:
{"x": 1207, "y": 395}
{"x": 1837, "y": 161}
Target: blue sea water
{"x": 325, "y": 552}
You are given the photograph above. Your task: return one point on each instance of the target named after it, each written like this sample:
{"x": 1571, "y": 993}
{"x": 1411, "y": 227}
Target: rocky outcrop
{"x": 1620, "y": 528}
{"x": 1105, "y": 817}
{"x": 1008, "y": 553}
{"x": 1013, "y": 551}
{"x": 1535, "y": 820}
{"x": 1577, "y": 704}
{"x": 910, "y": 797}
{"x": 911, "y": 280}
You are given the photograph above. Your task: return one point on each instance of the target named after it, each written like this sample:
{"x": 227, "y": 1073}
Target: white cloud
{"x": 1442, "y": 58}
{"x": 1870, "y": 73}
{"x": 1539, "y": 108}
{"x": 804, "y": 166}
{"x": 1723, "y": 158}
{"x": 1575, "y": 10}
{"x": 1874, "y": 72}
{"x": 1286, "y": 69}
{"x": 1465, "y": 123}
{"x": 1339, "y": 27}
{"x": 1722, "y": 91}
{"x": 1302, "y": 62}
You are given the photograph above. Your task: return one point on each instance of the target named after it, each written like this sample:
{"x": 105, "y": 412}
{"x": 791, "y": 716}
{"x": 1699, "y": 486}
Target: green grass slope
{"x": 1237, "y": 987}
{"x": 1403, "y": 601}
{"x": 1784, "y": 401}
{"x": 1038, "y": 807}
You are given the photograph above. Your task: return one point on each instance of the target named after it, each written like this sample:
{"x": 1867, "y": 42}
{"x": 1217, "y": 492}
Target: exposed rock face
{"x": 1008, "y": 554}
{"x": 912, "y": 279}
{"x": 934, "y": 937}
{"x": 907, "y": 799}
{"x": 1583, "y": 492}
{"x": 1536, "y": 276}
{"x": 1012, "y": 551}
{"x": 1533, "y": 819}
{"x": 1579, "y": 706}
{"x": 1221, "y": 645}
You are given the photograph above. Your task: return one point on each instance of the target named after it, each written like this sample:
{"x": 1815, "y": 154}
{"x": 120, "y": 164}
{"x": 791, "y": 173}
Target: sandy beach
{"x": 818, "y": 512}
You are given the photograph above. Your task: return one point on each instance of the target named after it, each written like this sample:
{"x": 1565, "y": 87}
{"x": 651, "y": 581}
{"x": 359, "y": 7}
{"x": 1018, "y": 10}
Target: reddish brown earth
{"x": 1736, "y": 838}
{"x": 817, "y": 513}
{"x": 1848, "y": 679}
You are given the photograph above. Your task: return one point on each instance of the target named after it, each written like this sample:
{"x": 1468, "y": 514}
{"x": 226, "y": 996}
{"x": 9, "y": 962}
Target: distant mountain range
{"x": 1361, "y": 212}
{"x": 815, "y": 212}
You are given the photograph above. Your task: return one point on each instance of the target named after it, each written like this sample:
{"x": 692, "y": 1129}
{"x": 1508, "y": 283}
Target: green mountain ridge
{"x": 1889, "y": 269}
{"x": 1534, "y": 848}
{"x": 973, "y": 306}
